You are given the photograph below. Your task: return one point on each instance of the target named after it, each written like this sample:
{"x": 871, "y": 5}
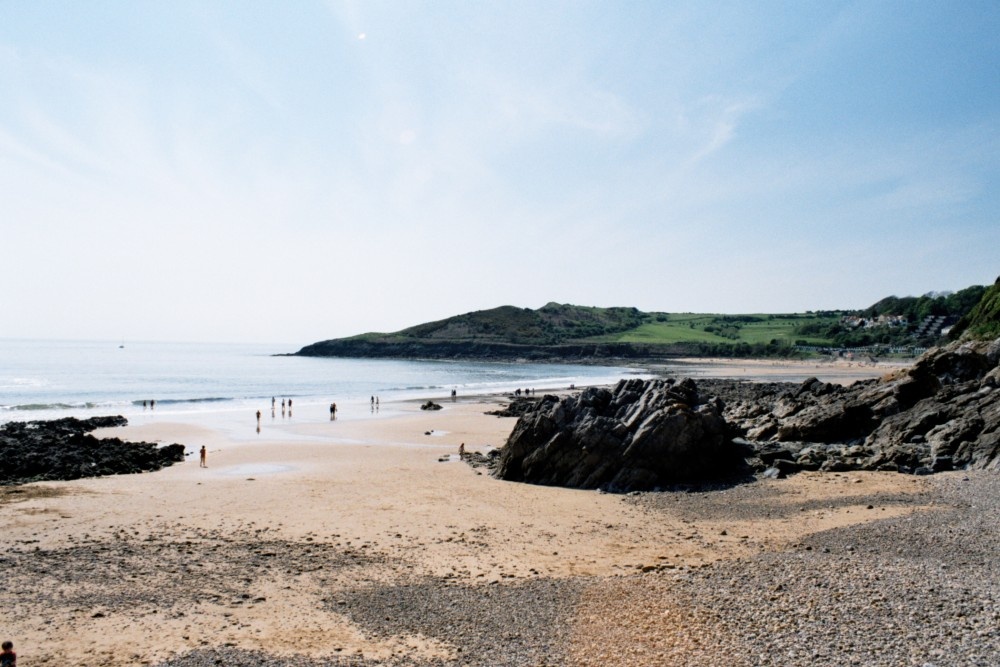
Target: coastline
{"x": 324, "y": 539}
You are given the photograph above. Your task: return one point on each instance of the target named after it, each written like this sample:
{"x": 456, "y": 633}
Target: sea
{"x": 50, "y": 379}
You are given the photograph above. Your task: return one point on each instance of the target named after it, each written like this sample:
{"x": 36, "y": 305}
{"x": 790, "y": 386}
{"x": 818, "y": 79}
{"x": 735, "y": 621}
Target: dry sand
{"x": 245, "y": 553}
{"x": 837, "y": 371}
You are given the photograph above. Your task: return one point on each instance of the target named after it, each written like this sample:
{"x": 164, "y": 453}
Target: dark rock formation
{"x": 490, "y": 350}
{"x": 430, "y": 405}
{"x": 640, "y": 435}
{"x": 517, "y": 407}
{"x": 64, "y": 449}
{"x": 942, "y": 413}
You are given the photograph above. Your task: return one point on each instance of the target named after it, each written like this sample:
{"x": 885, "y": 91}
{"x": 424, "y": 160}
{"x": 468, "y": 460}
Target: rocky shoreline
{"x": 576, "y": 353}
{"x": 943, "y": 413}
{"x": 64, "y": 449}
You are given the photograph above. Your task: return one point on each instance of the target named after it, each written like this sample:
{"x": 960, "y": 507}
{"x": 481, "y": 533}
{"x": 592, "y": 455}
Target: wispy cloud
{"x": 714, "y": 123}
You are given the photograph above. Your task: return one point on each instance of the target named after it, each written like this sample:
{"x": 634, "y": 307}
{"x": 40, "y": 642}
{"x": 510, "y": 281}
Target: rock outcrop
{"x": 63, "y": 449}
{"x": 639, "y": 435}
{"x": 942, "y": 413}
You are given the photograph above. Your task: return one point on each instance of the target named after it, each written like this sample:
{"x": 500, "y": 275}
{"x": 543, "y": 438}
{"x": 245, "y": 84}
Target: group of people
{"x": 150, "y": 403}
{"x": 282, "y": 407}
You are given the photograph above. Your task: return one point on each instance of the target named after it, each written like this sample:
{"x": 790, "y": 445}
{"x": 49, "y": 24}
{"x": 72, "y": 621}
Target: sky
{"x": 288, "y": 172}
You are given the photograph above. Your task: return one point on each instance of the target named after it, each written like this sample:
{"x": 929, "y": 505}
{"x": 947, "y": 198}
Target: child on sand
{"x": 7, "y": 656}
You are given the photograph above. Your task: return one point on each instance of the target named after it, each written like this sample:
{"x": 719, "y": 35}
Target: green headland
{"x": 893, "y": 325}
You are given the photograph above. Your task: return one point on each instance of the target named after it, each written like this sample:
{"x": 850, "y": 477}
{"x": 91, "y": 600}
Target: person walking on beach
{"x": 258, "y": 420}
{"x": 461, "y": 452}
{"x": 7, "y": 656}
{"x": 333, "y": 411}
{"x": 282, "y": 407}
{"x": 203, "y": 453}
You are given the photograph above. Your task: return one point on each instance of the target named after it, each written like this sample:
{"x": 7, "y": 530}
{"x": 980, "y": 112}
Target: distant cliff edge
{"x": 476, "y": 350}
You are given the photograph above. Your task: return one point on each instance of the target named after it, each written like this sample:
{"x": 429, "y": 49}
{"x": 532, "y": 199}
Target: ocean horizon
{"x": 50, "y": 379}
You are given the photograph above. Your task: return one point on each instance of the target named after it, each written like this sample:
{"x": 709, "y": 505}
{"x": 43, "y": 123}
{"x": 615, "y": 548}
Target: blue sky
{"x": 290, "y": 172}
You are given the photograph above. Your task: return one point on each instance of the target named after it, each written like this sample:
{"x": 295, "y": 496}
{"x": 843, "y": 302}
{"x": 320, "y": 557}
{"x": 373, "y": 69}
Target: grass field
{"x": 713, "y": 328}
{"x": 563, "y": 323}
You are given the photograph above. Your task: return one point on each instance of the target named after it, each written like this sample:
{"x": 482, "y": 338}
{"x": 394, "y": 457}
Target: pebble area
{"x": 921, "y": 589}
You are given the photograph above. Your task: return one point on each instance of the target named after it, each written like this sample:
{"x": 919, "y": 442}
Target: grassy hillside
{"x": 566, "y": 331}
{"x": 983, "y": 321}
{"x": 552, "y": 324}
{"x": 708, "y": 328}
{"x": 557, "y": 324}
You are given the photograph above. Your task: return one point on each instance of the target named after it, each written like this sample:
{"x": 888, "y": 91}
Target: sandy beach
{"x": 837, "y": 371}
{"x": 366, "y": 541}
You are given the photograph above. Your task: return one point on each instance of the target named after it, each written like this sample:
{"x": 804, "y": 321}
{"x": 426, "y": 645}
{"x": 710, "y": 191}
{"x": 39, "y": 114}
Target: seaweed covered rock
{"x": 64, "y": 449}
{"x": 642, "y": 434}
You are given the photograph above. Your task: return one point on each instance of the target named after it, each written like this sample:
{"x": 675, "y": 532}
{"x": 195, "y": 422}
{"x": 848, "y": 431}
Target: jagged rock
{"x": 771, "y": 451}
{"x": 941, "y": 413}
{"x": 430, "y": 405}
{"x": 640, "y": 435}
{"x": 829, "y": 421}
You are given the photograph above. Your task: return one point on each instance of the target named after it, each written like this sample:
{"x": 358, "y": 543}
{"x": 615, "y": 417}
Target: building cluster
{"x": 855, "y": 322}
